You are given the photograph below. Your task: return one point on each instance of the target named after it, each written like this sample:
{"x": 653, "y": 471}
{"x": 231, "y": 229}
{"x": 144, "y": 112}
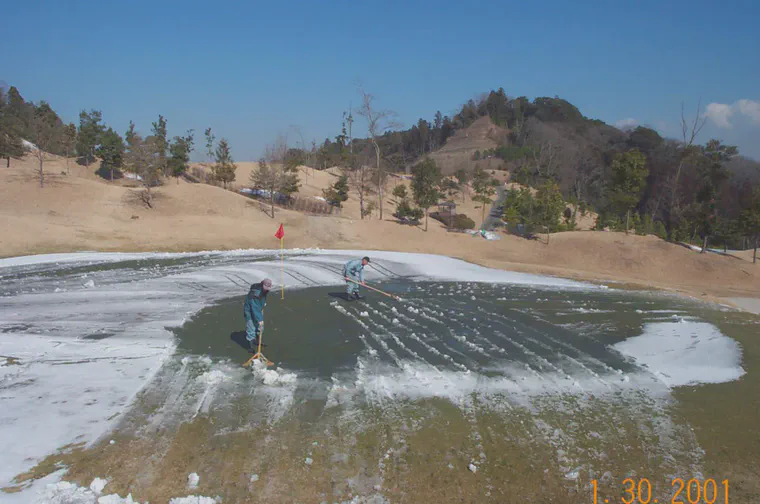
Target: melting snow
{"x": 686, "y": 353}
{"x": 192, "y": 481}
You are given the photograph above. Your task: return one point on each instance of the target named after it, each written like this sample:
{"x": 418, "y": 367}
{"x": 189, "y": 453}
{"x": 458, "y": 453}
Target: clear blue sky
{"x": 251, "y": 70}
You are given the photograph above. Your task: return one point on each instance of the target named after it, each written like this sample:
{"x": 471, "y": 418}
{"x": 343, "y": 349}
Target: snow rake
{"x": 258, "y": 355}
{"x": 376, "y": 290}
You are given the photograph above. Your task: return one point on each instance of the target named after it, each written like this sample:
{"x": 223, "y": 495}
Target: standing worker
{"x": 354, "y": 270}
{"x": 255, "y": 302}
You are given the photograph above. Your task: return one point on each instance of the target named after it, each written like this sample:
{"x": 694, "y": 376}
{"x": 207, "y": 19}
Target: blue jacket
{"x": 255, "y": 302}
{"x": 353, "y": 268}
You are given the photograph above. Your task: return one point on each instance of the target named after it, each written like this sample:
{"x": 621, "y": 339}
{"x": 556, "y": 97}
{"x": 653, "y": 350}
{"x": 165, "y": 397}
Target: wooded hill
{"x": 633, "y": 179}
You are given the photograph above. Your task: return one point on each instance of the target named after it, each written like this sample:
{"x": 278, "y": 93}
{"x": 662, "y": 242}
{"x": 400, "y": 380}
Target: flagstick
{"x": 282, "y": 262}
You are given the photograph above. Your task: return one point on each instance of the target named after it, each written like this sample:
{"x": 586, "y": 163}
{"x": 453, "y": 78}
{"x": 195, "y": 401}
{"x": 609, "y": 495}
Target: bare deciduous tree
{"x": 378, "y": 122}
{"x": 689, "y": 132}
{"x": 360, "y": 180}
{"x": 141, "y": 158}
{"x": 276, "y": 172}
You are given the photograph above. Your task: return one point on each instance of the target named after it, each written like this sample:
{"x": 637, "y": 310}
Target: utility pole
{"x": 350, "y": 120}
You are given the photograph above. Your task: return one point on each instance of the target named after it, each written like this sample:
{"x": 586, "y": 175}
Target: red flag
{"x": 280, "y": 233}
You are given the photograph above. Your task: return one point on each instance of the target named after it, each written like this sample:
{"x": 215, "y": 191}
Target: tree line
{"x": 147, "y": 157}
{"x": 633, "y": 179}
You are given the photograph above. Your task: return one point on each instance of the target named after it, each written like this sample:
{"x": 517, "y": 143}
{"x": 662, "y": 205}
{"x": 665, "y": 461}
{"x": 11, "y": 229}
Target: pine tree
{"x": 111, "y": 151}
{"x": 712, "y": 175}
{"x": 548, "y": 207}
{"x": 337, "y": 193}
{"x": 463, "y": 178}
{"x": 90, "y": 132}
{"x": 483, "y": 187}
{"x": 224, "y": 169}
{"x": 21, "y": 114}
{"x": 10, "y": 141}
{"x": 160, "y": 143}
{"x": 209, "y": 143}
{"x": 629, "y": 175}
{"x": 44, "y": 130}
{"x": 426, "y": 180}
{"x": 180, "y": 150}
{"x": 69, "y": 142}
{"x": 750, "y": 220}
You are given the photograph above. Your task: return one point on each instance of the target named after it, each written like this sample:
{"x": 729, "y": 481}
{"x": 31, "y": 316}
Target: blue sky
{"x": 251, "y": 70}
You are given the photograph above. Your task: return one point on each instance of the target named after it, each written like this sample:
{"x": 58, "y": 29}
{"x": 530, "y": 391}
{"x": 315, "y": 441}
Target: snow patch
{"x": 192, "y": 481}
{"x": 273, "y": 376}
{"x": 97, "y": 485}
{"x": 213, "y": 377}
{"x": 64, "y": 492}
{"x": 685, "y": 353}
{"x": 194, "y": 499}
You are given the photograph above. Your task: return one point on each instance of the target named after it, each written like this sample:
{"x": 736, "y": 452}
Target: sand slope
{"x": 84, "y": 212}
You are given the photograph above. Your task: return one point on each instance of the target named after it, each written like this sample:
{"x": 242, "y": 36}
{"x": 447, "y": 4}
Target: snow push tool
{"x": 376, "y": 290}
{"x": 258, "y": 355}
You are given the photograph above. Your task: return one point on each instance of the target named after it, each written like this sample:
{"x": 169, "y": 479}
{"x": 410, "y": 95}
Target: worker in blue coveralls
{"x": 354, "y": 270}
{"x": 255, "y": 302}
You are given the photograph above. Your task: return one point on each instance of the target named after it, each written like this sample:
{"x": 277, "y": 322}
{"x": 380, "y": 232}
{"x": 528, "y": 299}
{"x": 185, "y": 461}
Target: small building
{"x": 447, "y": 207}
{"x": 447, "y": 210}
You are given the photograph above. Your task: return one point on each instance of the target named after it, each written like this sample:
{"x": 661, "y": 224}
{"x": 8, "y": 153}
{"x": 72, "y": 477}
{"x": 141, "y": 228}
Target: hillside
{"x": 83, "y": 212}
{"x": 459, "y": 150}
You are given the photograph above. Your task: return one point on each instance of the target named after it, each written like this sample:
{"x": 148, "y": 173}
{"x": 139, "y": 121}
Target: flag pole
{"x": 280, "y": 235}
{"x": 282, "y": 263}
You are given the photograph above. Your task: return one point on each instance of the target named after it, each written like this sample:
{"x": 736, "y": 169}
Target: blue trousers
{"x": 351, "y": 287}
{"x": 251, "y": 330}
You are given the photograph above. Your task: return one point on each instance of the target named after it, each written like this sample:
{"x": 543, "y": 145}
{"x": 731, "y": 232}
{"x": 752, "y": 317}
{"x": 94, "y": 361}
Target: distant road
{"x": 494, "y": 216}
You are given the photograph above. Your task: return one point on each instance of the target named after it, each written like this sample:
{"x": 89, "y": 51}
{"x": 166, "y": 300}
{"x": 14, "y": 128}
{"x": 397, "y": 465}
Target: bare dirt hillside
{"x": 459, "y": 150}
{"x": 83, "y": 212}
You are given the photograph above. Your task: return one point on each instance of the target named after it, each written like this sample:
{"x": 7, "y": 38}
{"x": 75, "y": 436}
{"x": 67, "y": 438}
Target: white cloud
{"x": 751, "y": 109}
{"x": 721, "y": 113}
{"x": 627, "y": 123}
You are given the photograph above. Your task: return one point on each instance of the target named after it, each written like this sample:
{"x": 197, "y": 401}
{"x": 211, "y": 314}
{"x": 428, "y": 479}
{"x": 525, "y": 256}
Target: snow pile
{"x": 28, "y": 145}
{"x": 685, "y": 353}
{"x": 194, "y": 499}
{"x": 97, "y": 485}
{"x": 192, "y": 481}
{"x": 64, "y": 492}
{"x": 370, "y": 499}
{"x": 273, "y": 376}
{"x": 213, "y": 377}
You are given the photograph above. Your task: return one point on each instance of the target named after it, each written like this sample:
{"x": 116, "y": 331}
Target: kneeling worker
{"x": 354, "y": 270}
